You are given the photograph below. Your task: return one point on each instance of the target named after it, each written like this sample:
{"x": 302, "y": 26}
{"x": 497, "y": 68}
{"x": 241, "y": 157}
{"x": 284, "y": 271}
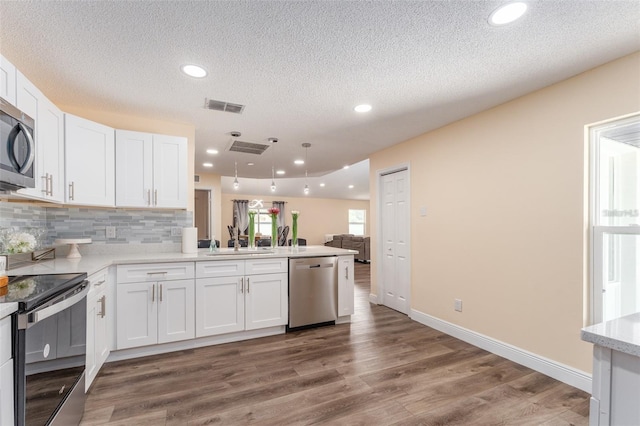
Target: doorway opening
{"x": 615, "y": 218}
{"x": 202, "y": 213}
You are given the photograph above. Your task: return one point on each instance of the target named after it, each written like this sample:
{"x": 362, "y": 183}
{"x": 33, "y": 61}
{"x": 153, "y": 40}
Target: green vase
{"x": 294, "y": 233}
{"x": 274, "y": 231}
{"x": 252, "y": 231}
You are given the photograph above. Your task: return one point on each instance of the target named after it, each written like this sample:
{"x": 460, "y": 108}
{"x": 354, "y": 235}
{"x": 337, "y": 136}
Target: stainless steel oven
{"x": 49, "y": 348}
{"x": 17, "y": 148}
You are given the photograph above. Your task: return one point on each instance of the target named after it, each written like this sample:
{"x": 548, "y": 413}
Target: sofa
{"x": 352, "y": 242}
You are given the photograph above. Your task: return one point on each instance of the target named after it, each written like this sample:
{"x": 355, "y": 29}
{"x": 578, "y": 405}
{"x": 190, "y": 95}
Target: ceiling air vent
{"x": 248, "y": 147}
{"x": 223, "y": 106}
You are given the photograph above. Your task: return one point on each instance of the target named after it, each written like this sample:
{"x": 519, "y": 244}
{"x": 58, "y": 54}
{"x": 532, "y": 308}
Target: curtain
{"x": 281, "y": 217}
{"x": 241, "y": 215}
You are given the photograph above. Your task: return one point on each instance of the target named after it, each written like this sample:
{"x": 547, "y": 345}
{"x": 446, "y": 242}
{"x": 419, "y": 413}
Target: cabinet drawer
{"x": 219, "y": 268}
{"x": 5, "y": 339}
{"x": 98, "y": 280}
{"x": 266, "y": 266}
{"x": 152, "y": 272}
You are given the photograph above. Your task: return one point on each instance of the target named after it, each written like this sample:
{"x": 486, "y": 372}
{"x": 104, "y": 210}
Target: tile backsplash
{"x": 151, "y": 227}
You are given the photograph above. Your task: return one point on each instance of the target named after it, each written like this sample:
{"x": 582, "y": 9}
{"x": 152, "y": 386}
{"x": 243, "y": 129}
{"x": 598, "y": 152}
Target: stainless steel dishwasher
{"x": 313, "y": 291}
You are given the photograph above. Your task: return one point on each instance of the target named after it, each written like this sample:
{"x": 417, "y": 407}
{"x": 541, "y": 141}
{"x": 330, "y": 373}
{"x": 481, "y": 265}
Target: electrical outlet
{"x": 110, "y": 231}
{"x": 3, "y": 263}
{"x": 457, "y": 305}
{"x": 176, "y": 231}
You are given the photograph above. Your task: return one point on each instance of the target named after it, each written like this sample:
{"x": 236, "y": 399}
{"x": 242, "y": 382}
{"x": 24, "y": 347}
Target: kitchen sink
{"x": 240, "y": 252}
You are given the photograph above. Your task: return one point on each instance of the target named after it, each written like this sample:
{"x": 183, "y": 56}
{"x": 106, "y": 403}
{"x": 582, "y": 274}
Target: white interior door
{"x": 395, "y": 284}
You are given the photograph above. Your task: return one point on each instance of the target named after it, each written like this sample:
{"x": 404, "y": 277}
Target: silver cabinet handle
{"x": 247, "y": 284}
{"x": 99, "y": 283}
{"x": 51, "y": 185}
{"x": 161, "y": 292}
{"x": 72, "y": 192}
{"x": 46, "y": 183}
{"x": 153, "y": 293}
{"x": 346, "y": 272}
{"x": 148, "y": 197}
{"x": 157, "y": 273}
{"x": 155, "y": 197}
{"x": 103, "y": 306}
{"x": 241, "y": 285}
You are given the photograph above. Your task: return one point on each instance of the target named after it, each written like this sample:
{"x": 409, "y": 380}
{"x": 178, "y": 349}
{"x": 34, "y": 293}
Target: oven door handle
{"x": 44, "y": 313}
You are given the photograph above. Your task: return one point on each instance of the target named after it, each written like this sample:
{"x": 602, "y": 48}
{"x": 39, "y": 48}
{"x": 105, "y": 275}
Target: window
{"x": 263, "y": 224}
{"x": 357, "y": 221}
{"x": 615, "y": 216}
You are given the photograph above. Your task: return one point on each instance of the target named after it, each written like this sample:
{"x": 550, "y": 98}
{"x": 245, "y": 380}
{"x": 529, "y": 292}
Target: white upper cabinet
{"x": 151, "y": 170}
{"x": 49, "y": 138}
{"x": 7, "y": 81}
{"x": 89, "y": 162}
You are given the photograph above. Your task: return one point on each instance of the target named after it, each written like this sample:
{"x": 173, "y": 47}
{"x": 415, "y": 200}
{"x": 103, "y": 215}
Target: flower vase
{"x": 252, "y": 232}
{"x": 294, "y": 233}
{"x": 274, "y": 233}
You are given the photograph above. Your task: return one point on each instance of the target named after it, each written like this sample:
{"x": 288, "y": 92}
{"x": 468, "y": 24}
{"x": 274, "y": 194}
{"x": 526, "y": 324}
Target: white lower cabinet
{"x": 6, "y": 373}
{"x": 98, "y": 325}
{"x": 346, "y": 285}
{"x": 240, "y": 295}
{"x": 156, "y": 310}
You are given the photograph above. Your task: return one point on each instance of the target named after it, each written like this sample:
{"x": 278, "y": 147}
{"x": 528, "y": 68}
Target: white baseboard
{"x": 373, "y": 298}
{"x": 558, "y": 371}
{"x": 193, "y": 343}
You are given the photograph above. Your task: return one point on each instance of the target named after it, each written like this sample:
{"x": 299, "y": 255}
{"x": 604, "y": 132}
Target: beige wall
{"x": 505, "y": 229}
{"x": 318, "y": 216}
{"x": 213, "y": 182}
{"x": 140, "y": 124}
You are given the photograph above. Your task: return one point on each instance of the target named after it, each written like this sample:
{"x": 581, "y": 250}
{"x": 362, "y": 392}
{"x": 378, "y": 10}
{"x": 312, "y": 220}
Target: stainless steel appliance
{"x": 17, "y": 148}
{"x": 313, "y": 291}
{"x": 49, "y": 348}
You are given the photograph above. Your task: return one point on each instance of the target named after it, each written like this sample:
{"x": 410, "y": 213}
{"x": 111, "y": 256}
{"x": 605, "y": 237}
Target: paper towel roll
{"x": 189, "y": 240}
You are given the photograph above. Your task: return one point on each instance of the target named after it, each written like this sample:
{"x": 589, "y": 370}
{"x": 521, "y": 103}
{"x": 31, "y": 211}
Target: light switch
{"x": 423, "y": 211}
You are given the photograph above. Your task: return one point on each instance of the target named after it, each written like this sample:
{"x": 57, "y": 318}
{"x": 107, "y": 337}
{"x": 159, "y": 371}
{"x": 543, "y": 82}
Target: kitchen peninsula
{"x": 150, "y": 303}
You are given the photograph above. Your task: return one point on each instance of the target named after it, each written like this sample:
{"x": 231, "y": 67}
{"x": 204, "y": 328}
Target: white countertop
{"x": 93, "y": 263}
{"x": 621, "y": 334}
{"x": 7, "y": 309}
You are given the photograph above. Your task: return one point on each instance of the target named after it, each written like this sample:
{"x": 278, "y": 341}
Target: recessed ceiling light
{"x": 350, "y": 186}
{"x": 207, "y": 164}
{"x": 251, "y": 164}
{"x": 194, "y": 71}
{"x": 280, "y": 172}
{"x": 362, "y": 108}
{"x": 345, "y": 167}
{"x": 212, "y": 151}
{"x": 298, "y": 162}
{"x": 507, "y": 13}
{"x": 322, "y": 185}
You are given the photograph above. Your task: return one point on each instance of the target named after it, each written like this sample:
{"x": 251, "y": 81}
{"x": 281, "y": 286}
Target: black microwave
{"x": 17, "y": 148}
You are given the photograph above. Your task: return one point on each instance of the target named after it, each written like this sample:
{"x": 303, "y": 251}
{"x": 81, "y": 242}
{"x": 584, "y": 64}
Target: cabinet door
{"x": 6, "y": 393}
{"x": 169, "y": 171}
{"x": 219, "y": 305}
{"x": 7, "y": 82}
{"x": 176, "y": 310}
{"x": 134, "y": 174}
{"x": 50, "y": 127}
{"x": 89, "y": 162}
{"x": 137, "y": 315}
{"x": 28, "y": 99}
{"x": 346, "y": 286}
{"x": 266, "y": 301}
{"x": 91, "y": 362}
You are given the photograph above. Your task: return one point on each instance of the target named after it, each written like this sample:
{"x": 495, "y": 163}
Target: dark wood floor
{"x": 382, "y": 369}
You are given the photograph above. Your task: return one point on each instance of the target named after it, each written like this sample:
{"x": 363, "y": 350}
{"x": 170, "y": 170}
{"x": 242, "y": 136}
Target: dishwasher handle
{"x": 315, "y": 266}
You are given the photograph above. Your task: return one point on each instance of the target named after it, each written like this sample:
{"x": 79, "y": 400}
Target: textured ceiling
{"x": 301, "y": 67}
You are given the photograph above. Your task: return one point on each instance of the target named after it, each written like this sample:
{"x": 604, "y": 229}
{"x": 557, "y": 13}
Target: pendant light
{"x": 273, "y": 175}
{"x": 306, "y": 177}
{"x": 236, "y": 184}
